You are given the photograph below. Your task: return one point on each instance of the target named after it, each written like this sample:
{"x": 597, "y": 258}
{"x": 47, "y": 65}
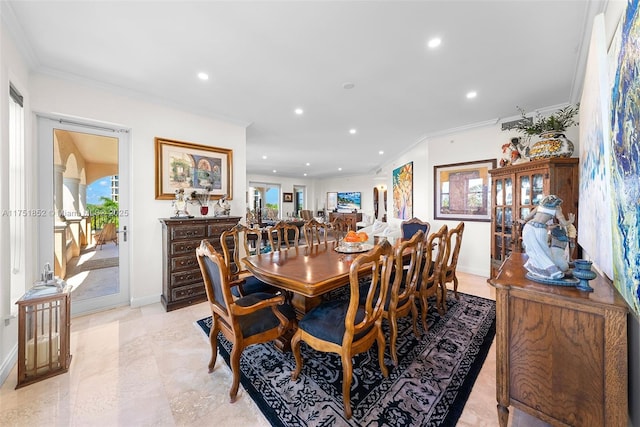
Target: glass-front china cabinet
{"x": 517, "y": 189}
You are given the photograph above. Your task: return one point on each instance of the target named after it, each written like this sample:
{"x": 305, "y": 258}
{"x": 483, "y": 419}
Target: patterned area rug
{"x": 429, "y": 387}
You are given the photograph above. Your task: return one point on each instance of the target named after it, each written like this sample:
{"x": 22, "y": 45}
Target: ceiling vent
{"x": 512, "y": 124}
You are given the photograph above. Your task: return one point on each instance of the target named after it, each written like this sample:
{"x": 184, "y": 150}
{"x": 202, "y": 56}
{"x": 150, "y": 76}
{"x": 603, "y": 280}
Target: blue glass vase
{"x": 582, "y": 271}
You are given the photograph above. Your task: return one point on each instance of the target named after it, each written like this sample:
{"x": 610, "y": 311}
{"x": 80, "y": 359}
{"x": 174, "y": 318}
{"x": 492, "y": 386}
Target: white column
{"x": 70, "y": 199}
{"x": 58, "y": 194}
{"x": 82, "y": 199}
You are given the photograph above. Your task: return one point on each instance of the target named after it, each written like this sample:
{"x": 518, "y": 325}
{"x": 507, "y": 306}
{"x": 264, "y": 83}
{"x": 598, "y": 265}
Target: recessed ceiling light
{"x": 472, "y": 94}
{"x": 381, "y": 152}
{"x": 339, "y": 169}
{"x": 352, "y": 131}
{"x": 274, "y": 171}
{"x": 203, "y": 76}
{"x": 434, "y": 42}
{"x": 308, "y": 164}
{"x": 264, "y": 157}
{"x": 299, "y": 111}
{"x": 305, "y": 174}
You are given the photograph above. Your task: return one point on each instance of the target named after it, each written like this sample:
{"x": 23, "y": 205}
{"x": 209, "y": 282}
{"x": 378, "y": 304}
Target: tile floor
{"x": 143, "y": 366}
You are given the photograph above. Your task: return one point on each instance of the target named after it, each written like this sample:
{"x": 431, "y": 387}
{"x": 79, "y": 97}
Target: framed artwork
{"x": 332, "y": 201}
{"x": 462, "y": 191}
{"x": 594, "y": 223}
{"x": 403, "y": 191}
{"x": 192, "y": 167}
{"x": 625, "y": 157}
{"x": 287, "y": 197}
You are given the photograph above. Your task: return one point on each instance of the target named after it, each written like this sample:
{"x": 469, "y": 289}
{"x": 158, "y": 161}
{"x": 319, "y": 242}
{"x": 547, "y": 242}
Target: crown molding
{"x": 10, "y": 22}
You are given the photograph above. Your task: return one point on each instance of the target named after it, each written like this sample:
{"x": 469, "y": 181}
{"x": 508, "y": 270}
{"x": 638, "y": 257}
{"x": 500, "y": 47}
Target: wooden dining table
{"x": 306, "y": 272}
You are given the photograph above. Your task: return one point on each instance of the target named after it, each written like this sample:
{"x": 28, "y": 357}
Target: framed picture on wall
{"x": 462, "y": 191}
{"x": 287, "y": 197}
{"x": 403, "y": 191}
{"x": 192, "y": 167}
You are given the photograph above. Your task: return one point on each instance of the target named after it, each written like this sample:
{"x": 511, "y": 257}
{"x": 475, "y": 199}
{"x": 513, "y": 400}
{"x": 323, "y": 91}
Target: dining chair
{"x": 432, "y": 274}
{"x": 315, "y": 232}
{"x": 400, "y": 301}
{"x": 340, "y": 226}
{"x": 283, "y": 235}
{"x": 454, "y": 243}
{"x": 349, "y": 327}
{"x": 232, "y": 242}
{"x": 253, "y": 319}
{"x": 306, "y": 214}
{"x": 411, "y": 226}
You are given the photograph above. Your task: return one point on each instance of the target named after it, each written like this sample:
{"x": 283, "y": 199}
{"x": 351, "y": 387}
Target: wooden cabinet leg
{"x": 503, "y": 415}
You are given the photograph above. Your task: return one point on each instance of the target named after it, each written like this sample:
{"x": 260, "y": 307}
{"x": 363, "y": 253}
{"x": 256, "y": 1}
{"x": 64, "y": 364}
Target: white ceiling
{"x": 266, "y": 58}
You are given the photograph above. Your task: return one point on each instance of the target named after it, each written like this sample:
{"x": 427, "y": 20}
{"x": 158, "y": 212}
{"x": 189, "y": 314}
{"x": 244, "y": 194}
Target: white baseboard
{"x": 150, "y": 299}
{"x": 476, "y": 271}
{"x": 8, "y": 364}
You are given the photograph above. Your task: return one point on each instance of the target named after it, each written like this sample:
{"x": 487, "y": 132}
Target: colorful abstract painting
{"x": 403, "y": 191}
{"x": 625, "y": 159}
{"x": 594, "y": 223}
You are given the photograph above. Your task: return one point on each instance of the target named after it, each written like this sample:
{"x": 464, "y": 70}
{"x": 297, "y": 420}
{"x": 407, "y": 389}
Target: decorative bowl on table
{"x": 351, "y": 245}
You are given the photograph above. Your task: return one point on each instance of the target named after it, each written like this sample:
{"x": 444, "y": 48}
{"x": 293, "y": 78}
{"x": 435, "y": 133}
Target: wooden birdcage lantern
{"x": 44, "y": 315}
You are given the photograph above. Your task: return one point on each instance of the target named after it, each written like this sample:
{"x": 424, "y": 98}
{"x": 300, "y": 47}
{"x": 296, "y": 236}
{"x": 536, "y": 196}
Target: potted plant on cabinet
{"x": 550, "y": 129}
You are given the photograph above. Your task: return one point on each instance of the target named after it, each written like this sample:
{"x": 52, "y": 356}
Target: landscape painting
{"x": 188, "y": 167}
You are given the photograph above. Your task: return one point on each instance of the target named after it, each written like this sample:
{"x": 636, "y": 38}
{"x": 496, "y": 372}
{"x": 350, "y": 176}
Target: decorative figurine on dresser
{"x": 548, "y": 260}
{"x": 222, "y": 207}
{"x": 180, "y": 205}
{"x": 182, "y": 282}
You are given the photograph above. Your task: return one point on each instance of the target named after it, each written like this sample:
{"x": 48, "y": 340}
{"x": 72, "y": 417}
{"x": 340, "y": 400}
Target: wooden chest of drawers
{"x": 182, "y": 282}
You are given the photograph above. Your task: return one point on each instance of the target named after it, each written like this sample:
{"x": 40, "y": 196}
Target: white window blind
{"x": 17, "y": 207}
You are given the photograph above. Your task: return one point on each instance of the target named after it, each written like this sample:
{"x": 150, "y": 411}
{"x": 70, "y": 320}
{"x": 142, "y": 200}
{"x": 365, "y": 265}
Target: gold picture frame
{"x": 192, "y": 167}
{"x": 462, "y": 191}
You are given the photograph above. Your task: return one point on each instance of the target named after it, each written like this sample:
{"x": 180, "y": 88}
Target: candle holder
{"x": 582, "y": 271}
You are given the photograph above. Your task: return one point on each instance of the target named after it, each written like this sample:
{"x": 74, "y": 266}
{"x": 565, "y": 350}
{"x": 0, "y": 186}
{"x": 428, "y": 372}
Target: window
{"x": 16, "y": 197}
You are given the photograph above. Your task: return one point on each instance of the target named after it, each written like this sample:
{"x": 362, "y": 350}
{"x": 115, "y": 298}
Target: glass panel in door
{"x": 499, "y": 194}
{"x": 537, "y": 188}
{"x": 89, "y": 246}
{"x": 525, "y": 190}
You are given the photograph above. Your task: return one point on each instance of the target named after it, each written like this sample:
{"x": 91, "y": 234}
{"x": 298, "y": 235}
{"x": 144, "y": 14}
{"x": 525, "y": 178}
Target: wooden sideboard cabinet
{"x": 561, "y": 353}
{"x": 182, "y": 282}
{"x": 517, "y": 189}
{"x": 351, "y": 218}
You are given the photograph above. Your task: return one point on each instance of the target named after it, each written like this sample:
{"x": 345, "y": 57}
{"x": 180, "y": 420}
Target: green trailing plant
{"x": 558, "y": 121}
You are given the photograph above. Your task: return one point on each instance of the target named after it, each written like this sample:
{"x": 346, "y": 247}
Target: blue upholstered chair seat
{"x": 252, "y": 285}
{"x": 326, "y": 321}
{"x": 261, "y": 320}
